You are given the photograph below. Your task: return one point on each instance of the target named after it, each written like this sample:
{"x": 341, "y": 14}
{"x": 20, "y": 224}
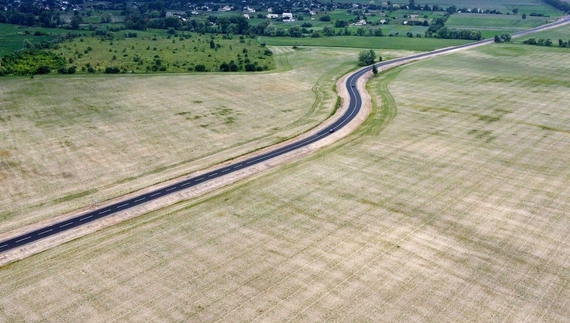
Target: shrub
{"x": 112, "y": 70}
{"x": 44, "y": 69}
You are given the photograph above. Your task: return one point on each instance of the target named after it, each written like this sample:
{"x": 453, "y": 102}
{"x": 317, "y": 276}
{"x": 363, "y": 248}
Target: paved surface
{"x": 354, "y": 107}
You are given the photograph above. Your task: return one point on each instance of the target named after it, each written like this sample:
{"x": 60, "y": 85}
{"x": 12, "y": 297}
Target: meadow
{"x": 505, "y": 6}
{"x": 12, "y": 36}
{"x": 156, "y": 50}
{"x": 393, "y": 43}
{"x": 495, "y": 22}
{"x": 554, "y": 34}
{"x": 450, "y": 204}
{"x": 491, "y": 25}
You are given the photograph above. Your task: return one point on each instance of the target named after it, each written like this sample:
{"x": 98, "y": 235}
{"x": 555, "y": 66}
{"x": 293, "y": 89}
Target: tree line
{"x": 437, "y": 29}
{"x": 546, "y": 42}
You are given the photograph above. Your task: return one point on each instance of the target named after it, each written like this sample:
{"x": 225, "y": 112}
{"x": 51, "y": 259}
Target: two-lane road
{"x": 352, "y": 111}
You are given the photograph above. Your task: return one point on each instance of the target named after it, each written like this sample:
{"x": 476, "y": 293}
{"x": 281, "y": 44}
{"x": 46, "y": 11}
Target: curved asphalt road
{"x": 353, "y": 110}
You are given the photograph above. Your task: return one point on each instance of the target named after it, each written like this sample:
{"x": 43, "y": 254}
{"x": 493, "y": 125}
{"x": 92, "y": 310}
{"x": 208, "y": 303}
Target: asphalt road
{"x": 352, "y": 111}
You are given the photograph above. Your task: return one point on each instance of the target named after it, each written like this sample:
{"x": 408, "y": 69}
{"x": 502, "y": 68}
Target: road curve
{"x": 352, "y": 111}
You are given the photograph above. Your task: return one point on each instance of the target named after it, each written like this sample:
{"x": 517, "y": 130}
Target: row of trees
{"x": 546, "y": 42}
{"x": 446, "y": 33}
{"x": 438, "y": 29}
{"x": 559, "y": 4}
{"x": 296, "y": 31}
{"x": 539, "y": 42}
{"x": 32, "y": 17}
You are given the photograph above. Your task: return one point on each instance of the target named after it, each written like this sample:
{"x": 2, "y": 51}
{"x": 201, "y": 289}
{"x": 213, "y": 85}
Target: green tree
{"x": 295, "y": 31}
{"x": 43, "y": 69}
{"x": 328, "y": 31}
{"x": 548, "y": 42}
{"x": 341, "y": 24}
{"x": 366, "y": 57}
{"x": 374, "y": 69}
{"x": 28, "y": 44}
{"x": 524, "y": 16}
{"x": 76, "y": 20}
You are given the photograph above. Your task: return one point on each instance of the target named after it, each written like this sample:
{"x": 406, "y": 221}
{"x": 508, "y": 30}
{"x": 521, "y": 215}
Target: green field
{"x": 524, "y": 6}
{"x": 554, "y": 34}
{"x": 450, "y": 204}
{"x": 403, "y": 43}
{"x": 495, "y": 22}
{"x": 12, "y": 36}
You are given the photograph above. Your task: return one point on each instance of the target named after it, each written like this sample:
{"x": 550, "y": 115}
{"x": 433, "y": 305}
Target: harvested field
{"x": 449, "y": 205}
{"x": 66, "y": 142}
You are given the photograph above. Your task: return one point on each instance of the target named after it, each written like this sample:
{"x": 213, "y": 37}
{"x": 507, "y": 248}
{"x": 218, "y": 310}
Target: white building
{"x": 360, "y": 23}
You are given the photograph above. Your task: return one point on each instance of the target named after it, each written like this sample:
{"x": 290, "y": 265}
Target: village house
{"x": 360, "y": 23}
{"x": 287, "y": 16}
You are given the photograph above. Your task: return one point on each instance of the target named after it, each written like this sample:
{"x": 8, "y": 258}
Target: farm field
{"x": 495, "y": 22}
{"x": 554, "y": 34}
{"x": 67, "y": 142}
{"x": 524, "y": 6}
{"x": 402, "y": 43}
{"x": 12, "y": 36}
{"x": 491, "y": 25}
{"x": 450, "y": 204}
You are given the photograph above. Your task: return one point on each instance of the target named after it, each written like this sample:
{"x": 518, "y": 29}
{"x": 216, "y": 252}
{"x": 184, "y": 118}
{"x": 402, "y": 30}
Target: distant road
{"x": 354, "y": 107}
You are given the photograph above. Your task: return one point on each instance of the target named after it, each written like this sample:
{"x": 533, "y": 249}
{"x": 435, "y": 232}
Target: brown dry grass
{"x": 453, "y": 210}
{"x": 68, "y": 141}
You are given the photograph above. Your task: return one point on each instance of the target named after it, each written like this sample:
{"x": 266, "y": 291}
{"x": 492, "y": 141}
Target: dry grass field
{"x": 450, "y": 204}
{"x": 68, "y": 141}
